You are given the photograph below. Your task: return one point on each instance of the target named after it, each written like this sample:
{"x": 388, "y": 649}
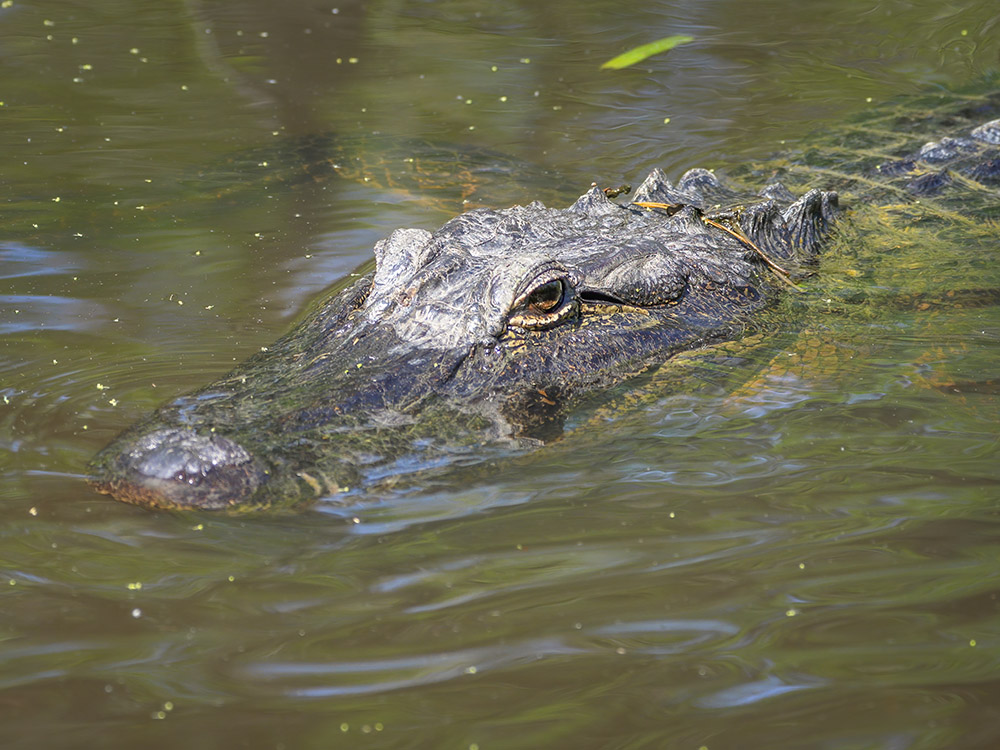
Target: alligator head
{"x": 479, "y": 333}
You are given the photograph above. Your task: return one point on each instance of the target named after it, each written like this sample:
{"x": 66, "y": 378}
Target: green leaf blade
{"x": 640, "y": 53}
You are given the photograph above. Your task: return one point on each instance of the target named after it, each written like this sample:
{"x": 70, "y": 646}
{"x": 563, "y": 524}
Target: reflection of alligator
{"x": 444, "y": 177}
{"x": 479, "y": 335}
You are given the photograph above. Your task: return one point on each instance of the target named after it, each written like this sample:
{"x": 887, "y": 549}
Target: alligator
{"x": 475, "y": 340}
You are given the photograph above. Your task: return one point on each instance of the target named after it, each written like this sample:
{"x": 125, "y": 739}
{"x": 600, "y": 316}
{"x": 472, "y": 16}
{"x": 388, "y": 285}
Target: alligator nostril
{"x": 179, "y": 468}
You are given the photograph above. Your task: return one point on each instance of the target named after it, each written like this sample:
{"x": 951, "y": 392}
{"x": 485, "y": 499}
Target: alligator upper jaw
{"x": 177, "y": 468}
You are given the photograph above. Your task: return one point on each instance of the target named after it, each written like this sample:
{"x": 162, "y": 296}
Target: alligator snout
{"x": 179, "y": 468}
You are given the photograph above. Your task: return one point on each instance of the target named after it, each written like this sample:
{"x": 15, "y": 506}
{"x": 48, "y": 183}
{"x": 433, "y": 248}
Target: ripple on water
{"x": 344, "y": 677}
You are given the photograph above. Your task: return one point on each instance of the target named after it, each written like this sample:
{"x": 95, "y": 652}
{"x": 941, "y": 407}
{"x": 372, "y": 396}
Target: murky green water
{"x": 805, "y": 558}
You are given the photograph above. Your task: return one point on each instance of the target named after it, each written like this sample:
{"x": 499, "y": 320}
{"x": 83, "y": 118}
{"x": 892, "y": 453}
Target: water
{"x": 801, "y": 557}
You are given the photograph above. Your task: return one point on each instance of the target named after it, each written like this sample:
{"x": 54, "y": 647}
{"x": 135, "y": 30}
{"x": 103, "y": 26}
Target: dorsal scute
{"x": 988, "y": 132}
{"x": 656, "y": 188}
{"x": 594, "y": 203}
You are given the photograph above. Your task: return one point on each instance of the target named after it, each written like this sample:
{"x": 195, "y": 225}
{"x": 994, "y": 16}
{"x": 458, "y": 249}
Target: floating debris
{"x": 640, "y": 53}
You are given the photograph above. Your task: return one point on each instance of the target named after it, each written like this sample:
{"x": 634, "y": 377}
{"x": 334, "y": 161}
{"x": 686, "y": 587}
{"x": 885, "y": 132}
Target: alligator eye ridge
{"x": 544, "y": 306}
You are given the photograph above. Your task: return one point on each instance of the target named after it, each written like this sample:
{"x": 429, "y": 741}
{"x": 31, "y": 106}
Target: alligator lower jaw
{"x": 164, "y": 495}
{"x": 179, "y": 469}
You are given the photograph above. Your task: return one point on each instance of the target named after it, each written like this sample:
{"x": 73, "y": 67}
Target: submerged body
{"x": 481, "y": 334}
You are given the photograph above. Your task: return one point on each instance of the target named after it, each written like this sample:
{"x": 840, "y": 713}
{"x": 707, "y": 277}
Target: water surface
{"x": 774, "y": 556}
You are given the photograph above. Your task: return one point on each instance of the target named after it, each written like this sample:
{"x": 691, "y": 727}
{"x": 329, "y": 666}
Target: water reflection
{"x": 764, "y": 689}
{"x": 772, "y": 557}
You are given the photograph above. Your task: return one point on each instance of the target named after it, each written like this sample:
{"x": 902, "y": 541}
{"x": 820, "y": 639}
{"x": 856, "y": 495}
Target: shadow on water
{"x": 794, "y": 547}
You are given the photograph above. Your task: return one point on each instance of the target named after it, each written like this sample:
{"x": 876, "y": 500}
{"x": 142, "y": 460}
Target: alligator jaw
{"x": 180, "y": 469}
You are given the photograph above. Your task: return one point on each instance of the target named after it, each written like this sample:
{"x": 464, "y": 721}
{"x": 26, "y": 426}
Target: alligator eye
{"x": 546, "y": 298}
{"x": 544, "y": 306}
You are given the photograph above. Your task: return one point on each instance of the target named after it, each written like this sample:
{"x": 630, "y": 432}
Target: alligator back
{"x": 915, "y": 258}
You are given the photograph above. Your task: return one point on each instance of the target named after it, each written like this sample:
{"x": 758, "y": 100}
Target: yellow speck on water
{"x": 102, "y": 387}
{"x": 802, "y": 566}
{"x": 32, "y": 511}
{"x": 86, "y": 66}
{"x": 868, "y": 99}
{"x": 673, "y": 515}
{"x": 525, "y": 60}
{"x": 184, "y": 87}
{"x": 503, "y": 98}
{"x": 232, "y": 578}
{"x": 56, "y": 199}
{"x": 12, "y": 582}
{"x": 345, "y": 727}
{"x": 263, "y": 348}
{"x": 198, "y": 527}
{"x": 494, "y": 68}
{"x": 791, "y": 612}
{"x": 134, "y": 51}
{"x": 474, "y": 746}
{"x": 471, "y": 670}
{"x": 113, "y": 401}
{"x": 352, "y": 60}
{"x": 666, "y": 120}
{"x": 6, "y": 3}
{"x": 168, "y": 706}
{"x": 47, "y": 22}
{"x": 965, "y": 32}
{"x": 136, "y": 586}
{"x": 972, "y": 643}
